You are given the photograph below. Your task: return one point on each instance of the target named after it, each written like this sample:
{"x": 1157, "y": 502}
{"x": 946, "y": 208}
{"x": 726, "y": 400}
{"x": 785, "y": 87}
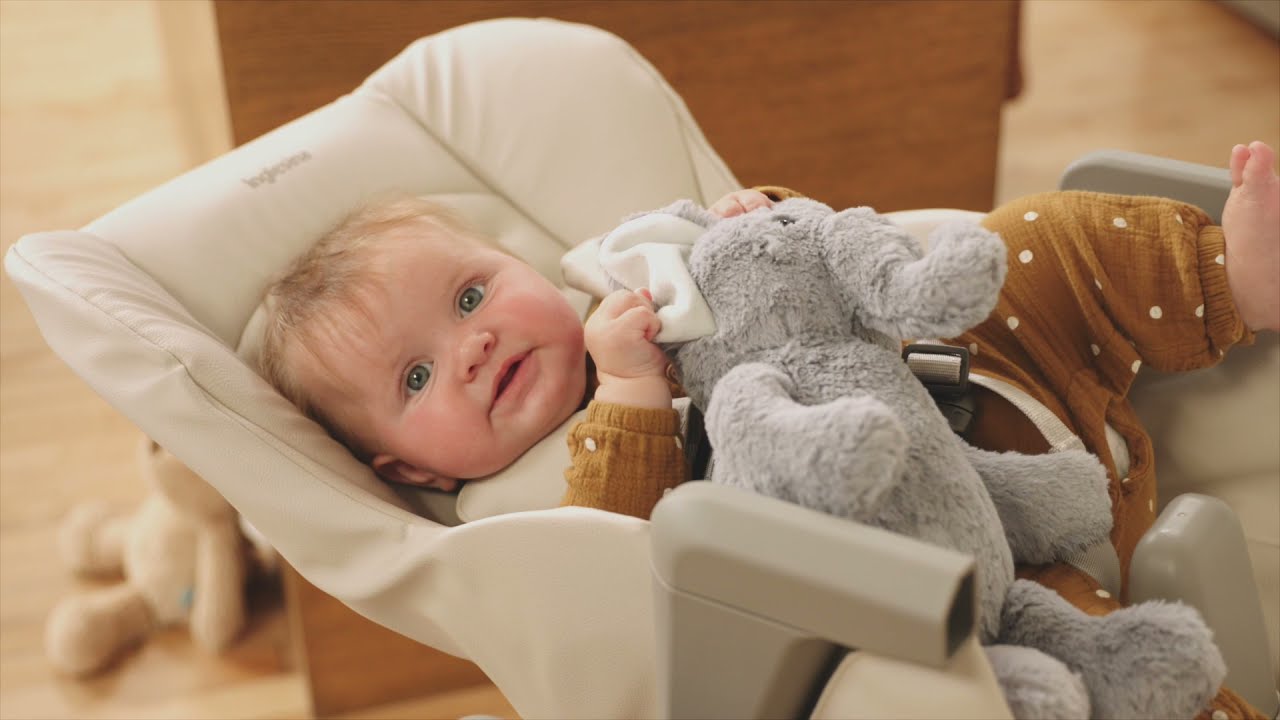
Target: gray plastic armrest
{"x": 1196, "y": 553}
{"x": 1115, "y": 171}
{"x": 755, "y": 598}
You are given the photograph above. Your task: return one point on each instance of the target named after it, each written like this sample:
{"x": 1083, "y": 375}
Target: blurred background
{"x": 100, "y": 101}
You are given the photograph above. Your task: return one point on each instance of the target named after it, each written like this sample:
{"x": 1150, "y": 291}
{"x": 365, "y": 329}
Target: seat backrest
{"x": 541, "y": 133}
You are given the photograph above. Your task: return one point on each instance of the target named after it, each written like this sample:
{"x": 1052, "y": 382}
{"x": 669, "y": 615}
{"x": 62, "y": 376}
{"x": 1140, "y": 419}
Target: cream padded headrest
{"x": 541, "y": 154}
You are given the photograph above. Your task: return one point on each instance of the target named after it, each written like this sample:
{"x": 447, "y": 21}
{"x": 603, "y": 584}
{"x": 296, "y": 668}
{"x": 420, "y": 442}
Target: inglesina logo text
{"x": 271, "y": 172}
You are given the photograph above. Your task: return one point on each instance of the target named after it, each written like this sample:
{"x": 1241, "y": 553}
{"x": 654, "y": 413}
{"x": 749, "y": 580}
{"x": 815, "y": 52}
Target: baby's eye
{"x": 470, "y": 299}
{"x": 784, "y": 220}
{"x": 417, "y": 378}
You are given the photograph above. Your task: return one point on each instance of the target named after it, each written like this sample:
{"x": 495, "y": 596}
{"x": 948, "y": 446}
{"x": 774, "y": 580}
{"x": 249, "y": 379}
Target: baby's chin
{"x": 499, "y": 459}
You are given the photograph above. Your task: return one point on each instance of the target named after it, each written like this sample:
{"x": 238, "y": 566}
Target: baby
{"x": 436, "y": 357}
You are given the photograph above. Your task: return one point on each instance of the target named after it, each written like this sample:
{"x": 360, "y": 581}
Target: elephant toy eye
{"x": 784, "y": 221}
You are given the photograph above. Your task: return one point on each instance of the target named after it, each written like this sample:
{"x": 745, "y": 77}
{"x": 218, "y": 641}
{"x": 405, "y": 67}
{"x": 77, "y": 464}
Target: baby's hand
{"x": 619, "y": 336}
{"x": 739, "y": 202}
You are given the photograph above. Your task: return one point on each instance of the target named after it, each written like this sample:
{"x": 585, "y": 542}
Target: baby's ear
{"x": 395, "y": 470}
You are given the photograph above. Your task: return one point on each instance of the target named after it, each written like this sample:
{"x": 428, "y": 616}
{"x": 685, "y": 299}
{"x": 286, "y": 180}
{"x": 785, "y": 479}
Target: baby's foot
{"x": 1251, "y": 225}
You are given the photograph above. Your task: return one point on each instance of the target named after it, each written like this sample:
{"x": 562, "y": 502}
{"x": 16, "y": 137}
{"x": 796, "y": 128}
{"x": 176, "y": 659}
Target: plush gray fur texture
{"x": 807, "y": 399}
{"x": 1038, "y": 687}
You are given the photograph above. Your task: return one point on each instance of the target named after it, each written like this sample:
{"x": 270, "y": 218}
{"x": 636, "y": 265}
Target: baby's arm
{"x": 624, "y": 458}
{"x": 628, "y": 450}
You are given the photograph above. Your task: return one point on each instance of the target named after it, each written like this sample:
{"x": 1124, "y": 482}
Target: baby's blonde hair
{"x": 333, "y": 284}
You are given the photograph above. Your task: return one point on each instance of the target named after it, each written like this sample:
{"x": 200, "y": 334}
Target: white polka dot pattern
{"x": 1031, "y": 216}
{"x": 1200, "y": 311}
{"x": 589, "y": 444}
{"x": 1093, "y": 348}
{"x": 1156, "y": 312}
{"x": 1136, "y": 364}
{"x": 1120, "y": 223}
{"x": 1102, "y": 593}
{"x": 1025, "y": 256}
{"x": 1013, "y": 323}
{"x": 1221, "y": 259}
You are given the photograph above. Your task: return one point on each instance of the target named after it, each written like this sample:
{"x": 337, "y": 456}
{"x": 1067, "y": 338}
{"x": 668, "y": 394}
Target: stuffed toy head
{"x": 802, "y": 272}
{"x": 182, "y": 558}
{"x": 786, "y": 324}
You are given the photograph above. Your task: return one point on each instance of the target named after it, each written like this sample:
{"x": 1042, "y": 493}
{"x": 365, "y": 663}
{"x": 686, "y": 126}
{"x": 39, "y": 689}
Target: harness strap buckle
{"x": 944, "y": 372}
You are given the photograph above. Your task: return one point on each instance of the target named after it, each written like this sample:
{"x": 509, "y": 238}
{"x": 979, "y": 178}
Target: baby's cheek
{"x": 473, "y": 458}
{"x": 549, "y": 311}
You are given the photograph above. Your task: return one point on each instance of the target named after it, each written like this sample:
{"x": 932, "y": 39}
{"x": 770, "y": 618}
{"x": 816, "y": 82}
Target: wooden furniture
{"x": 351, "y": 663}
{"x": 894, "y": 105}
{"x": 889, "y": 104}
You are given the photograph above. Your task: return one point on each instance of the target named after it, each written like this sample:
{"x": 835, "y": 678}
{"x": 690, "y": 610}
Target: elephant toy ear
{"x": 649, "y": 251}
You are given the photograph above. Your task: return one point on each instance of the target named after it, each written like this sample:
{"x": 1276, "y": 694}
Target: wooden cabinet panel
{"x": 889, "y": 104}
{"x": 352, "y": 663}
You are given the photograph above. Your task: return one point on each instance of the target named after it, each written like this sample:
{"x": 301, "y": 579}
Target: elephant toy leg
{"x": 765, "y": 441}
{"x": 1150, "y": 660}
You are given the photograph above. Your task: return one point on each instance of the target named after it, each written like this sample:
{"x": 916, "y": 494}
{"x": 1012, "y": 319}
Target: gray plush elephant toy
{"x": 807, "y": 399}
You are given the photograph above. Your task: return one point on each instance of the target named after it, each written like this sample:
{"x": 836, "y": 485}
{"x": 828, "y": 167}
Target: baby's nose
{"x": 473, "y": 352}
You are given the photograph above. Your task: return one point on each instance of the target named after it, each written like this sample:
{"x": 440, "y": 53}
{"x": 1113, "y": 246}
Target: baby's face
{"x": 475, "y": 358}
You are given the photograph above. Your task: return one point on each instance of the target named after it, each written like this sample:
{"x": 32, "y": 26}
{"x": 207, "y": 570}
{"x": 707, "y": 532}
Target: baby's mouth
{"x": 507, "y": 375}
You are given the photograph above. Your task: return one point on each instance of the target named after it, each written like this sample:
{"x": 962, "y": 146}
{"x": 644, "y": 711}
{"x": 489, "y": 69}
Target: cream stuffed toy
{"x": 183, "y": 559}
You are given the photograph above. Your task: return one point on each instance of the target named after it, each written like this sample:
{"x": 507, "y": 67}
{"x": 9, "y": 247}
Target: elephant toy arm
{"x": 1052, "y": 506}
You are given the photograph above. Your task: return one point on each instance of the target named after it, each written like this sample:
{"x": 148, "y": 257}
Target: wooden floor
{"x": 101, "y": 100}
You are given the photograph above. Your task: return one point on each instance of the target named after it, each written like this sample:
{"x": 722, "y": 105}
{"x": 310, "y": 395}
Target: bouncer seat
{"x": 541, "y": 134}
